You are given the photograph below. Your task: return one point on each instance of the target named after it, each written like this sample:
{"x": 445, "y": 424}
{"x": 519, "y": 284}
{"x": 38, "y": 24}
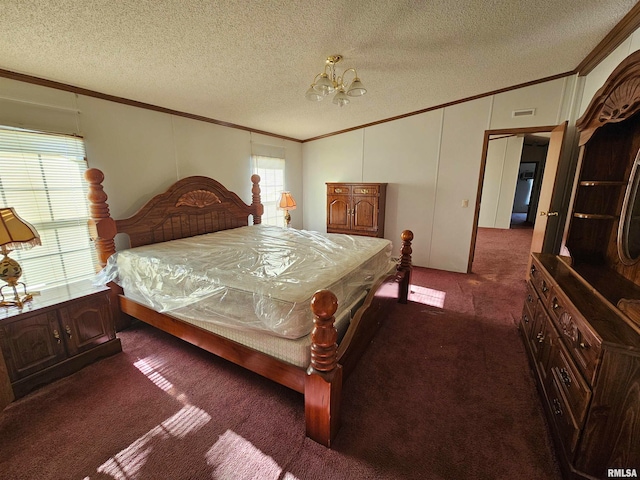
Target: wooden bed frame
{"x": 198, "y": 205}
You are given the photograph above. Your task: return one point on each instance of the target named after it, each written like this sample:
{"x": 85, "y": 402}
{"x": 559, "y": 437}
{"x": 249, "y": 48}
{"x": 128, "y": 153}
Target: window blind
{"x": 42, "y": 178}
{"x": 271, "y": 171}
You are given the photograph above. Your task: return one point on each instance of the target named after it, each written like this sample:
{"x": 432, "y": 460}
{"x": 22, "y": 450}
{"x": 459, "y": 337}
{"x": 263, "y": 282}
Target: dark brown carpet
{"x": 444, "y": 392}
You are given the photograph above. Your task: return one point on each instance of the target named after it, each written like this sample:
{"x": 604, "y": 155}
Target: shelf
{"x": 601, "y": 183}
{"x": 596, "y": 216}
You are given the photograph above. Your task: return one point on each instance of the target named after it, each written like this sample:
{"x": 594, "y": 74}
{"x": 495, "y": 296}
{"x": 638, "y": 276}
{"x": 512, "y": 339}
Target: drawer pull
{"x": 56, "y": 335}
{"x": 557, "y": 408}
{"x": 545, "y": 289}
{"x": 566, "y": 378}
{"x": 533, "y": 270}
{"x": 584, "y": 346}
{"x": 529, "y": 298}
{"x": 525, "y": 318}
{"x": 67, "y": 329}
{"x": 337, "y": 190}
{"x": 554, "y": 303}
{"x": 540, "y": 337}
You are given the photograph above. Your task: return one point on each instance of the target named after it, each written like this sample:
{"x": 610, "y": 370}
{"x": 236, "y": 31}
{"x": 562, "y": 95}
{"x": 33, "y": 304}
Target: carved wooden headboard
{"x": 191, "y": 206}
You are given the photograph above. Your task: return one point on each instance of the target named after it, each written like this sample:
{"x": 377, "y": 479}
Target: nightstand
{"x": 56, "y": 334}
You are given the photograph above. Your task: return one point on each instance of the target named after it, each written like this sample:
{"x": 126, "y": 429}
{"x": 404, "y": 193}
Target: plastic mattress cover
{"x": 258, "y": 277}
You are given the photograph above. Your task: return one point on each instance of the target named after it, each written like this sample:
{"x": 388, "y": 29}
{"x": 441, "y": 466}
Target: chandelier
{"x": 327, "y": 82}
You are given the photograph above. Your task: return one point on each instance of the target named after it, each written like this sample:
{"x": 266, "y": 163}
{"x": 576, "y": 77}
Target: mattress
{"x": 252, "y": 280}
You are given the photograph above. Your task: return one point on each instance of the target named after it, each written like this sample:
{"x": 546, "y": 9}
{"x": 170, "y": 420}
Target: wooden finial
{"x": 101, "y": 226}
{"x": 324, "y": 336}
{"x": 404, "y": 267}
{"x": 255, "y": 199}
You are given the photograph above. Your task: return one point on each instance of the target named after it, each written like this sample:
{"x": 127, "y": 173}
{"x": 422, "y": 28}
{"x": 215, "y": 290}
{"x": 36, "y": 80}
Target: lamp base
{"x": 18, "y": 301}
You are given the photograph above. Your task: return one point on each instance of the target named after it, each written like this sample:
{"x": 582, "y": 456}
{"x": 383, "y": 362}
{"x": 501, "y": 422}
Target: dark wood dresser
{"x": 356, "y": 208}
{"x": 586, "y": 359}
{"x": 580, "y": 322}
{"x": 57, "y": 333}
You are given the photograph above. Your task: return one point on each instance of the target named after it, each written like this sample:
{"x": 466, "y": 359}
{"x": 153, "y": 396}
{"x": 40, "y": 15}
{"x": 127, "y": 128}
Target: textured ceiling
{"x": 250, "y": 62}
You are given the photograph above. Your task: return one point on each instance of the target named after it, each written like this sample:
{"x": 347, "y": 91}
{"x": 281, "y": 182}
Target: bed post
{"x": 323, "y": 383}
{"x": 404, "y": 267}
{"x": 101, "y": 226}
{"x": 256, "y": 203}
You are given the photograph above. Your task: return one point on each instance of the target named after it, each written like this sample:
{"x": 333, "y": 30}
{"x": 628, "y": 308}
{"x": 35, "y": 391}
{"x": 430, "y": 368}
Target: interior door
{"x": 548, "y": 217}
{"x": 543, "y": 233}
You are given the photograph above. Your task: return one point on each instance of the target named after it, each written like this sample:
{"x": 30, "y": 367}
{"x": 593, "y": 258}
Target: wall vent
{"x": 529, "y": 112}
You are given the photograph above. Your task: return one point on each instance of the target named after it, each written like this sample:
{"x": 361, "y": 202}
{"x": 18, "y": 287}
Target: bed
{"x": 305, "y": 331}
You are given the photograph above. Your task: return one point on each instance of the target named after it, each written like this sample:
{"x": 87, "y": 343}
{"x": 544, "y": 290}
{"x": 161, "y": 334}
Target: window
{"x": 271, "y": 171}
{"x": 42, "y": 178}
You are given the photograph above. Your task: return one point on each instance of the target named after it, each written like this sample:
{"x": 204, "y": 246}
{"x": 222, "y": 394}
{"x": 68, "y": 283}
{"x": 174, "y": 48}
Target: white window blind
{"x": 41, "y": 177}
{"x": 271, "y": 171}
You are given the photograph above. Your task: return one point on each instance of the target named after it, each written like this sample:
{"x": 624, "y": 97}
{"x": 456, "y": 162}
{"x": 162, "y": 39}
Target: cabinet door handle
{"x": 56, "y": 335}
{"x": 67, "y": 329}
{"x": 549, "y": 214}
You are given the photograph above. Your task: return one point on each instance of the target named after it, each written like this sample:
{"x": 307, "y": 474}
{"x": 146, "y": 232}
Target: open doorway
{"x": 510, "y": 187}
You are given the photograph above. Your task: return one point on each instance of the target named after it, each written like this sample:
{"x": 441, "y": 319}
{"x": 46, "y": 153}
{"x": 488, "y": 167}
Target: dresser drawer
{"x": 567, "y": 376}
{"x": 540, "y": 280}
{"x": 339, "y": 189}
{"x": 366, "y": 190}
{"x": 562, "y": 416}
{"x": 581, "y": 342}
{"x": 529, "y": 309}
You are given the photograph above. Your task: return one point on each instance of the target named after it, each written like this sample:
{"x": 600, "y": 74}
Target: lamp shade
{"x": 15, "y": 233}
{"x": 356, "y": 88}
{"x": 287, "y": 202}
{"x": 324, "y": 85}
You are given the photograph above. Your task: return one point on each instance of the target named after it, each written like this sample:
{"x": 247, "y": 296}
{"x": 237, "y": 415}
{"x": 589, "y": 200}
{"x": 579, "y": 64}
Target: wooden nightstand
{"x": 57, "y": 333}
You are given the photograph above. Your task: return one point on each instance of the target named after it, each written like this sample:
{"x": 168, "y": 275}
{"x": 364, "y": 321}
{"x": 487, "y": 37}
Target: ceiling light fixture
{"x": 327, "y": 82}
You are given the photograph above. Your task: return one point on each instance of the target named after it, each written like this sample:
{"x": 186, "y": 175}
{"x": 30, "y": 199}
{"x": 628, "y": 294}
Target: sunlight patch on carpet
{"x": 232, "y": 456}
{"x": 128, "y": 463}
{"x": 427, "y": 296}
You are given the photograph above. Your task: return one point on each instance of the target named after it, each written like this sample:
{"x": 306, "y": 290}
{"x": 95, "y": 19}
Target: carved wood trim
{"x": 617, "y": 100}
{"x": 198, "y": 198}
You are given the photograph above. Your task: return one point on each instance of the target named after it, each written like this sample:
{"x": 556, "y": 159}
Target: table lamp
{"x": 287, "y": 203}
{"x": 15, "y": 234}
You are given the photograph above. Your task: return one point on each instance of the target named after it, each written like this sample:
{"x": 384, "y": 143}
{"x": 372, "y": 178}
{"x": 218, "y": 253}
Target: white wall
{"x": 500, "y": 181}
{"x": 432, "y": 164}
{"x": 142, "y": 152}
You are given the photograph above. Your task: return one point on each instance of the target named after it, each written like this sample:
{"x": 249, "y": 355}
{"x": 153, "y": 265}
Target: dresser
{"x": 586, "y": 360}
{"x": 55, "y": 334}
{"x": 581, "y": 318}
{"x": 356, "y": 208}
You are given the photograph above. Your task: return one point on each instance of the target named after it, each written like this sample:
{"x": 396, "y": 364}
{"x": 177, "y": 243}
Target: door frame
{"x": 483, "y": 164}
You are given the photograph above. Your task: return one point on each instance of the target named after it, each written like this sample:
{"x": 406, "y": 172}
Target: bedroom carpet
{"x": 443, "y": 392}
